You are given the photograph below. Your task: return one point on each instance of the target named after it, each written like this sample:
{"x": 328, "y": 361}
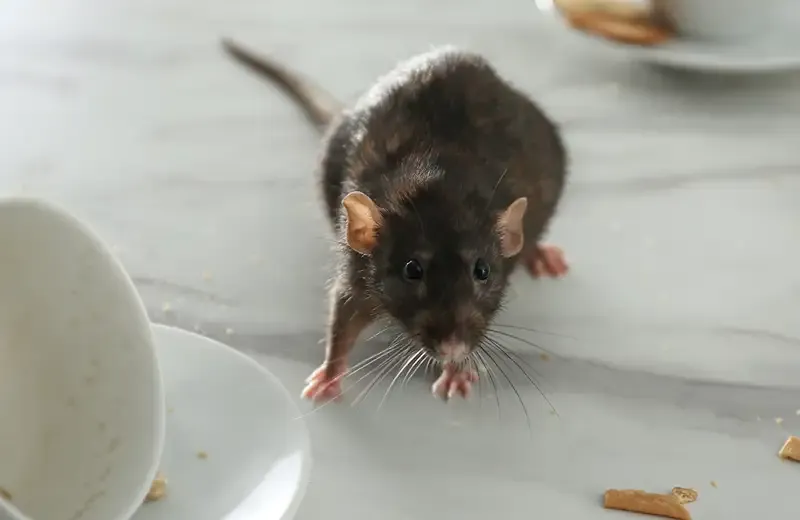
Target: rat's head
{"x": 439, "y": 272}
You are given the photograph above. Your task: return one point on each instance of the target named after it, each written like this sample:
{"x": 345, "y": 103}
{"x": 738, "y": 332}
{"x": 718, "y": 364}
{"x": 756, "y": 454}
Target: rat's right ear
{"x": 510, "y": 227}
{"x": 363, "y": 220}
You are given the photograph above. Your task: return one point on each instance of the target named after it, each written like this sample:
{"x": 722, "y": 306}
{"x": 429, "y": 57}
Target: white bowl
{"x": 81, "y": 399}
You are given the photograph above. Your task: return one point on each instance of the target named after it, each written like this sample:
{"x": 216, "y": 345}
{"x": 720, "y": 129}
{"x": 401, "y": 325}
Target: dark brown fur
{"x": 442, "y": 145}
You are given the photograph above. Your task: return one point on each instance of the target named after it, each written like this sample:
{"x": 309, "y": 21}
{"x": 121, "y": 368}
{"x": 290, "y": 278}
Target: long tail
{"x": 319, "y": 106}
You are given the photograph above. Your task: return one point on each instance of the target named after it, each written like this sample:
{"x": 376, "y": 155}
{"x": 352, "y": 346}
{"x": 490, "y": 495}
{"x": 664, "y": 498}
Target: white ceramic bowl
{"x": 81, "y": 398}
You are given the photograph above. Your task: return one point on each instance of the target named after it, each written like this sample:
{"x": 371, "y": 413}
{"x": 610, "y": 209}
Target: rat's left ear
{"x": 363, "y": 220}
{"x": 510, "y": 228}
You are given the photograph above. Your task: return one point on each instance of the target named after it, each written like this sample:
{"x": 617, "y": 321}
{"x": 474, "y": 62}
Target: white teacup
{"x": 81, "y": 398}
{"x": 724, "y": 21}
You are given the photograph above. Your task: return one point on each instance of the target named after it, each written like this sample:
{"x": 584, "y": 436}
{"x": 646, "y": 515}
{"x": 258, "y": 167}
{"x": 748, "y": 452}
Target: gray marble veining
{"x": 675, "y": 340}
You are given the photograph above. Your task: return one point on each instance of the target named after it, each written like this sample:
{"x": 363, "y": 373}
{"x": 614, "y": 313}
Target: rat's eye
{"x": 481, "y": 270}
{"x": 412, "y": 270}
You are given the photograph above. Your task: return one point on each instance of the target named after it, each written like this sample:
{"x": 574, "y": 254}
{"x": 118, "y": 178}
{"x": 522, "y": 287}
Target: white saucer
{"x": 224, "y": 405}
{"x": 778, "y": 51}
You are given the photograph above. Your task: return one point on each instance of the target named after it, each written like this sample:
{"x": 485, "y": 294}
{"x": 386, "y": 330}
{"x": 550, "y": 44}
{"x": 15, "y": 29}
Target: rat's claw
{"x": 454, "y": 382}
{"x": 323, "y": 384}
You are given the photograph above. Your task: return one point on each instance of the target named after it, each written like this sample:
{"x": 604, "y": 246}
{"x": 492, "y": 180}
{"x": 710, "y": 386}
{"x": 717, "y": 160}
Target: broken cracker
{"x": 158, "y": 488}
{"x": 619, "y": 29}
{"x": 638, "y": 501}
{"x": 684, "y": 495}
{"x": 791, "y": 449}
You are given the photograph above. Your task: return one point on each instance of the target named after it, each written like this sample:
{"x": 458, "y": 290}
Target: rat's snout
{"x": 452, "y": 350}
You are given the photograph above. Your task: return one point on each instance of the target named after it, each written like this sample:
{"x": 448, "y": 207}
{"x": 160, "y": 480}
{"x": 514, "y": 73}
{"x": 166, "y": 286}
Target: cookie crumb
{"x": 791, "y": 449}
{"x": 684, "y": 495}
{"x": 544, "y": 356}
{"x": 638, "y": 501}
{"x": 6, "y": 494}
{"x": 714, "y": 483}
{"x": 158, "y": 488}
{"x": 202, "y": 455}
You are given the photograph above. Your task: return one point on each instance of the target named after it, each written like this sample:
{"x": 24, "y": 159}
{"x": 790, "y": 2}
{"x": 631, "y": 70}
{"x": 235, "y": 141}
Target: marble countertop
{"x": 675, "y": 340}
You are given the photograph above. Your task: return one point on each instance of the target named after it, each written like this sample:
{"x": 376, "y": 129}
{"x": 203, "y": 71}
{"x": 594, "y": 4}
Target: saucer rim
{"x": 675, "y": 58}
{"x": 161, "y": 332}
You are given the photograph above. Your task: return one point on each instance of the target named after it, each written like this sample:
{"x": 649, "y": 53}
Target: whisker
{"x": 388, "y": 367}
{"x": 474, "y": 366}
{"x": 408, "y": 363}
{"x": 538, "y": 331}
{"x": 499, "y": 348}
{"x": 361, "y": 365}
{"x": 514, "y": 388}
{"x": 492, "y": 379}
{"x": 523, "y": 340}
{"x": 508, "y": 352}
{"x": 415, "y": 367}
{"x": 372, "y": 359}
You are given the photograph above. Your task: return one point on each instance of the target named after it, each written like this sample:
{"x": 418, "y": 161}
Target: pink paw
{"x": 454, "y": 381}
{"x": 547, "y": 261}
{"x": 323, "y": 384}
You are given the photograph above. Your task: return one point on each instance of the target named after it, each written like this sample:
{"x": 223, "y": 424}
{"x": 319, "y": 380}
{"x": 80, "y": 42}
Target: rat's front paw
{"x": 324, "y": 384}
{"x": 454, "y": 381}
{"x": 546, "y": 260}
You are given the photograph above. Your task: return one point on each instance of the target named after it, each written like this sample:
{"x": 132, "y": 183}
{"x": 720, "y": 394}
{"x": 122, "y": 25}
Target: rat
{"x": 438, "y": 182}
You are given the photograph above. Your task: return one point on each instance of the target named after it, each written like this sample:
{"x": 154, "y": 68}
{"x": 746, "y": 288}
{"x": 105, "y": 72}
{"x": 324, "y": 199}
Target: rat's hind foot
{"x": 324, "y": 384}
{"x": 545, "y": 260}
{"x": 454, "y": 381}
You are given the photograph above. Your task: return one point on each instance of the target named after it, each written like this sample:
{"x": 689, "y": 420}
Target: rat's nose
{"x": 452, "y": 350}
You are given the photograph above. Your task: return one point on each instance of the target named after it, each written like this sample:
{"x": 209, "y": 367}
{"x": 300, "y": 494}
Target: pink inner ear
{"x": 510, "y": 226}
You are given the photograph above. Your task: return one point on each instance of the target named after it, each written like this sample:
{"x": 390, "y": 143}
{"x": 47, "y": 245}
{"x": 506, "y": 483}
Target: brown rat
{"x": 437, "y": 182}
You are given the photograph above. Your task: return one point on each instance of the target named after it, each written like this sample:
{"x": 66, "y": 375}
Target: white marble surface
{"x": 676, "y": 330}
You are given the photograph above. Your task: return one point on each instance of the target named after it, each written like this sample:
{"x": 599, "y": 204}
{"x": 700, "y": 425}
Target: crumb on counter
{"x": 714, "y": 483}
{"x": 638, "y": 501}
{"x": 229, "y": 331}
{"x": 158, "y": 488}
{"x": 202, "y": 455}
{"x": 684, "y": 495}
{"x": 544, "y": 356}
{"x": 166, "y": 307}
{"x": 207, "y": 276}
{"x": 6, "y": 494}
{"x": 779, "y": 420}
{"x": 791, "y": 449}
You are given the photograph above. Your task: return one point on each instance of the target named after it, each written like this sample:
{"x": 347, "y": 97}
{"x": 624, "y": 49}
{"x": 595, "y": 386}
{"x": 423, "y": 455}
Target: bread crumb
{"x": 166, "y": 307}
{"x": 158, "y": 488}
{"x": 6, "y": 494}
{"x": 684, "y": 495}
{"x": 229, "y": 331}
{"x": 638, "y": 501}
{"x": 544, "y": 356}
{"x": 714, "y": 483}
{"x": 791, "y": 449}
{"x": 779, "y": 420}
{"x": 202, "y": 455}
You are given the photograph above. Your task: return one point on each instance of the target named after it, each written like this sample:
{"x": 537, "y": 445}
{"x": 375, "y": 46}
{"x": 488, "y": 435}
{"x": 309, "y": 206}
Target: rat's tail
{"x": 319, "y": 106}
